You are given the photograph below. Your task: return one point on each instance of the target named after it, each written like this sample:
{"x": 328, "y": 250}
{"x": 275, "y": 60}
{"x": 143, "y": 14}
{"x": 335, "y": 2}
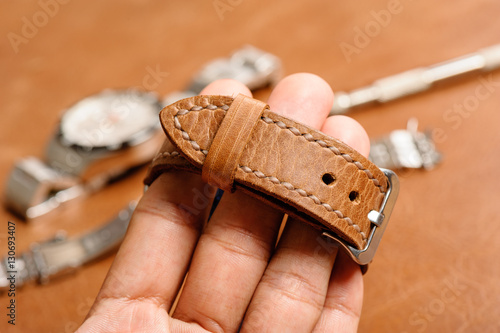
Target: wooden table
{"x": 437, "y": 269}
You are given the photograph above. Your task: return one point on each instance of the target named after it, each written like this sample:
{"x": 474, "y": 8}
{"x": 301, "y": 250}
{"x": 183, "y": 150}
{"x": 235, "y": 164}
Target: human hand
{"x": 238, "y": 279}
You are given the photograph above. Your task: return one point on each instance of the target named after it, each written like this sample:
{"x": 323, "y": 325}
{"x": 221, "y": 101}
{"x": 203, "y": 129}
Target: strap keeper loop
{"x": 230, "y": 140}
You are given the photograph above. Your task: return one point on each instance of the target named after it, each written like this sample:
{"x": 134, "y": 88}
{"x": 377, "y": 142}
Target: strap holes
{"x": 328, "y": 178}
{"x": 354, "y": 197}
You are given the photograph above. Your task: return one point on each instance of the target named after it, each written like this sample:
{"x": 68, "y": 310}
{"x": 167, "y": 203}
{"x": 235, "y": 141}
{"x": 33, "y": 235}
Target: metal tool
{"x": 416, "y": 80}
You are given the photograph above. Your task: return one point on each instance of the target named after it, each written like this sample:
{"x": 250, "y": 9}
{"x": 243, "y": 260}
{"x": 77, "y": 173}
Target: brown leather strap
{"x": 292, "y": 167}
{"x": 230, "y": 140}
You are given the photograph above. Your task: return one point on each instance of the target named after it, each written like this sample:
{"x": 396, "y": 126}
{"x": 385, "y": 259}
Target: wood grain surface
{"x": 437, "y": 269}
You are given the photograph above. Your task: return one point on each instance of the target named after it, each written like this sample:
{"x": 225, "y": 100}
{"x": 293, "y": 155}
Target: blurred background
{"x": 436, "y": 269}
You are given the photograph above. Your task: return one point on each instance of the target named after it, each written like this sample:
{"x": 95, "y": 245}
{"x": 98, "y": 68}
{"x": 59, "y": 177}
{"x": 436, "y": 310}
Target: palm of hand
{"x": 238, "y": 279}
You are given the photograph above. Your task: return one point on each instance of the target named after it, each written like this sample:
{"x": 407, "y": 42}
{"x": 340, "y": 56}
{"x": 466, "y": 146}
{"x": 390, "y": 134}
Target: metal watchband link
{"x": 239, "y": 144}
{"x": 59, "y": 255}
{"x": 405, "y": 149}
{"x": 249, "y": 65}
{"x": 34, "y": 188}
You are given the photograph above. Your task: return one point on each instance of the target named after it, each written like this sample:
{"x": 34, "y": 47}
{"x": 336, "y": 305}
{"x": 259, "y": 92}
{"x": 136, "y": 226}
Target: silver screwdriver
{"x": 416, "y": 80}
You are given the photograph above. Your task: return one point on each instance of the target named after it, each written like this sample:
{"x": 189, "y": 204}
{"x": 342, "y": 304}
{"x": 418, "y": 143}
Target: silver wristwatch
{"x": 249, "y": 65}
{"x": 98, "y": 139}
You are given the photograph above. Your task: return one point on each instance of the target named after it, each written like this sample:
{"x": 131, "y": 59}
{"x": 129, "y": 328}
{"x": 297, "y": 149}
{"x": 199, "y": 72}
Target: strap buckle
{"x": 380, "y": 219}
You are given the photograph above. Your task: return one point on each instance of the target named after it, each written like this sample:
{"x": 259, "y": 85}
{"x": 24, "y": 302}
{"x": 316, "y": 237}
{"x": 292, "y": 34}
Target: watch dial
{"x": 110, "y": 119}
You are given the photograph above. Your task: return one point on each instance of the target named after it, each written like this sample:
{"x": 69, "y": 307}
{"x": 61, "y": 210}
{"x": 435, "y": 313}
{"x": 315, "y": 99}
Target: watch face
{"x": 110, "y": 119}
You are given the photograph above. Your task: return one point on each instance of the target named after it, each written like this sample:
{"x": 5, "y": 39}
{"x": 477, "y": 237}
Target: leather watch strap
{"x": 301, "y": 171}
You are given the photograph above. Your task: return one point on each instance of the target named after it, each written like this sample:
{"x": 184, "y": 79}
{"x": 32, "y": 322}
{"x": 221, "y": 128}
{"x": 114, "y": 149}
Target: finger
{"x": 297, "y": 278}
{"x": 344, "y": 299}
{"x": 234, "y": 250}
{"x": 303, "y": 97}
{"x": 348, "y": 131}
{"x": 154, "y": 256}
{"x": 226, "y": 87}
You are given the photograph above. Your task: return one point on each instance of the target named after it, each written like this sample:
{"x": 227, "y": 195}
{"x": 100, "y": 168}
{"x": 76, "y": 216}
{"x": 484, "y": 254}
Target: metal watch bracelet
{"x": 251, "y": 66}
{"x": 36, "y": 187}
{"x": 405, "y": 149}
{"x": 57, "y": 256}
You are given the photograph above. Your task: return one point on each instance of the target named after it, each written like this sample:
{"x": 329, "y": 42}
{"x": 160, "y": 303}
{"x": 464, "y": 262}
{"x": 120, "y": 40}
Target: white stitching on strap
{"x": 323, "y": 144}
{"x": 281, "y": 125}
{"x": 303, "y": 193}
{"x": 166, "y": 154}
{"x": 185, "y": 134}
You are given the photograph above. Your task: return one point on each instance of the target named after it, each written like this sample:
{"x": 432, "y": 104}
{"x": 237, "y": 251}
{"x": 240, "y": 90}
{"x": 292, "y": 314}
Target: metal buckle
{"x": 380, "y": 219}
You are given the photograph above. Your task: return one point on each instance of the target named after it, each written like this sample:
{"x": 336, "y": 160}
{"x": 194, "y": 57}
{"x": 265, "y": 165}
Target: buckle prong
{"x": 376, "y": 217}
